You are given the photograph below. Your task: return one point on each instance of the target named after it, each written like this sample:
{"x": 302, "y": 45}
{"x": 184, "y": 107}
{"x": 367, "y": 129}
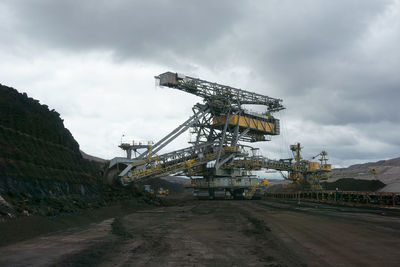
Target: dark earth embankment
{"x": 42, "y": 171}
{"x": 350, "y": 184}
{"x": 344, "y": 184}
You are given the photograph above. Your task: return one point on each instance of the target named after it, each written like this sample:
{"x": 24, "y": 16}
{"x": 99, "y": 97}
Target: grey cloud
{"x": 316, "y": 46}
{"x": 298, "y": 39}
{"x": 148, "y": 30}
{"x": 328, "y": 60}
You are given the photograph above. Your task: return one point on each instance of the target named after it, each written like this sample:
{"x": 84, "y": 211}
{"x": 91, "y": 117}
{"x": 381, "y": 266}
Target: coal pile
{"x": 42, "y": 170}
{"x": 350, "y": 184}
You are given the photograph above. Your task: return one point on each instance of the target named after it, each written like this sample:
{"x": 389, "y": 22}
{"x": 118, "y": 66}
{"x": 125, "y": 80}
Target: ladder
{"x": 250, "y": 193}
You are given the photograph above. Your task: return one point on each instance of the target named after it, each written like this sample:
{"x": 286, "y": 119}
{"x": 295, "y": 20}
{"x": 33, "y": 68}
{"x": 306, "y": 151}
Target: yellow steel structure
{"x": 257, "y": 124}
{"x": 252, "y": 191}
{"x": 313, "y": 166}
{"x": 159, "y": 169}
{"x": 161, "y": 192}
{"x": 299, "y": 170}
{"x": 326, "y": 167}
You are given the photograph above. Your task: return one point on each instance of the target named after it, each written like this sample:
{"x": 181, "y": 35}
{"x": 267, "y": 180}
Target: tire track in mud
{"x": 52, "y": 248}
{"x": 267, "y": 243}
{"x": 98, "y": 251}
{"x": 119, "y": 248}
{"x": 200, "y": 233}
{"x": 321, "y": 236}
{"x": 381, "y": 218}
{"x": 209, "y": 233}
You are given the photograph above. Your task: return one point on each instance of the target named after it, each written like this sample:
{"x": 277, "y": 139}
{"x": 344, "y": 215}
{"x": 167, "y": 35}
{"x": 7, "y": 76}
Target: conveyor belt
{"x": 174, "y": 162}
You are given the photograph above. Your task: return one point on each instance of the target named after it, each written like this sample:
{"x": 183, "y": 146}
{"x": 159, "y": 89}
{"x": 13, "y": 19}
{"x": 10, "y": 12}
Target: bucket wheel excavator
{"x": 218, "y": 160}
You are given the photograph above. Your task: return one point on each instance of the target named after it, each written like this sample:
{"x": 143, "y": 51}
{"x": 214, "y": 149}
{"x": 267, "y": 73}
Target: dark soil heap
{"x": 34, "y": 144}
{"x": 350, "y": 184}
{"x": 41, "y": 167}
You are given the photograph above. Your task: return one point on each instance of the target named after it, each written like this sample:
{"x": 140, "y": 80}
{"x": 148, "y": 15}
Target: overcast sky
{"x": 335, "y": 64}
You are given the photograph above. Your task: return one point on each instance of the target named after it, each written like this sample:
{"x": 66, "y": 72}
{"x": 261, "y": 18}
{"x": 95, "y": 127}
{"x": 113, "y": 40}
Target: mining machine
{"x": 218, "y": 160}
{"x": 304, "y": 174}
{"x": 222, "y": 129}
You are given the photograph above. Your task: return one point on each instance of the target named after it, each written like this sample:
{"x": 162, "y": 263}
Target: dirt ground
{"x": 221, "y": 233}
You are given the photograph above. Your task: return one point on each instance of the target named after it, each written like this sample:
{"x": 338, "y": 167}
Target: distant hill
{"x": 390, "y": 162}
{"x": 93, "y": 158}
{"x": 388, "y": 172}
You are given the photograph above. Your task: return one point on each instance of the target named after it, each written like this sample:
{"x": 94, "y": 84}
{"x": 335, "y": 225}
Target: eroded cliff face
{"x": 39, "y": 158}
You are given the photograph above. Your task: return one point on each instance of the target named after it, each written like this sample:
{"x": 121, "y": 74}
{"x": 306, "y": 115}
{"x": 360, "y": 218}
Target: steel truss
{"x": 219, "y": 125}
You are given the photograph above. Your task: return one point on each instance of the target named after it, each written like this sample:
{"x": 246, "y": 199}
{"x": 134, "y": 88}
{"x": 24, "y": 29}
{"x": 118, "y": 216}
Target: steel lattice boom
{"x": 213, "y": 91}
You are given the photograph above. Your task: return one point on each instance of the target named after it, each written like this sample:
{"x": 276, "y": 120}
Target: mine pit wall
{"x": 41, "y": 167}
{"x": 39, "y": 188}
